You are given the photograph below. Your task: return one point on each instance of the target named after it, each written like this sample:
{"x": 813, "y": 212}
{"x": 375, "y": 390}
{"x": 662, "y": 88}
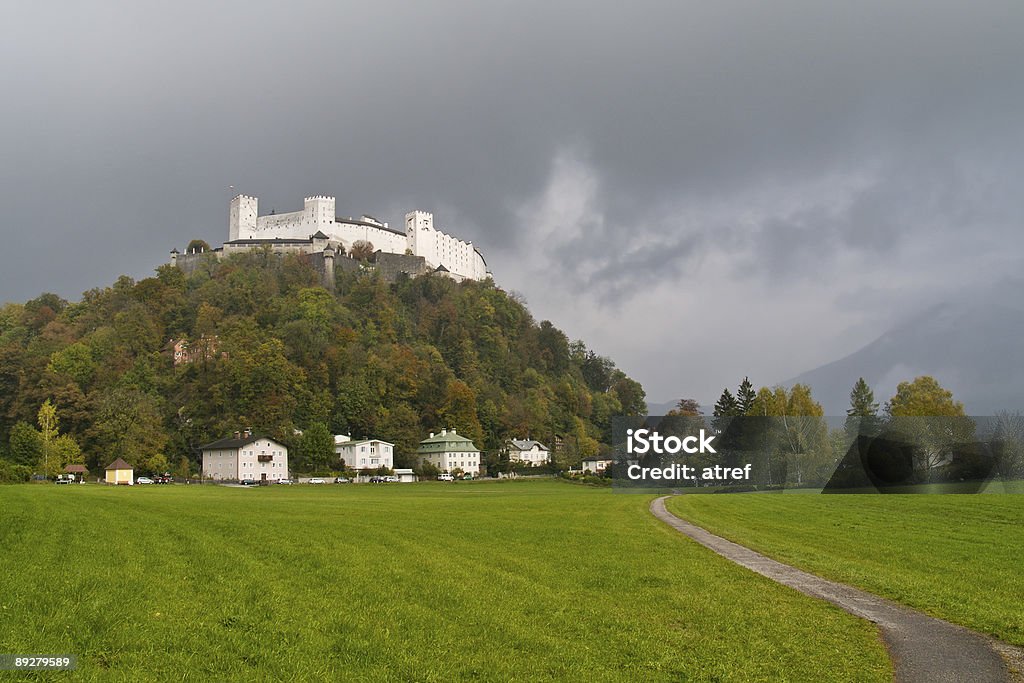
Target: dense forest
{"x": 273, "y": 350}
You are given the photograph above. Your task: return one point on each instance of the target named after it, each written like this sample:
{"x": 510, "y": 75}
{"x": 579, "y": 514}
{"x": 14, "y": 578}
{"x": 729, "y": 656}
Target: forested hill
{"x": 275, "y": 351}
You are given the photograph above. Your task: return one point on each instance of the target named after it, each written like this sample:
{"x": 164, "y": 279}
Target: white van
{"x": 445, "y": 477}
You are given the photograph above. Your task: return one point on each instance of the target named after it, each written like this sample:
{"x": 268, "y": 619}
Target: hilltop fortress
{"x": 316, "y": 230}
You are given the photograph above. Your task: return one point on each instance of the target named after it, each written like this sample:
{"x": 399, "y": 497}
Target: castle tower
{"x": 328, "y": 274}
{"x": 319, "y": 210}
{"x": 242, "y": 217}
{"x": 419, "y": 226}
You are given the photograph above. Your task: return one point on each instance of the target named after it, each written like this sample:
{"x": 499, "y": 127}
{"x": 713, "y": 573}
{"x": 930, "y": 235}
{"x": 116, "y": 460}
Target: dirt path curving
{"x": 923, "y": 649}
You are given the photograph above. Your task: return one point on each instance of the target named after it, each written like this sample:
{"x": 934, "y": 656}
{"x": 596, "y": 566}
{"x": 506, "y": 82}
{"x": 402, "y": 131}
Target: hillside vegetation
{"x": 276, "y": 352}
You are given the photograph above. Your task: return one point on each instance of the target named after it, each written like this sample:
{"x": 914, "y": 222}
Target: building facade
{"x": 365, "y": 454}
{"x": 449, "y": 451}
{"x": 316, "y": 227}
{"x": 529, "y": 452}
{"x": 245, "y": 457}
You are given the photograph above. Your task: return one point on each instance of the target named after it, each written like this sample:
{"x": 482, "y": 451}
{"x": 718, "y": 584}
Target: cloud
{"x": 758, "y": 185}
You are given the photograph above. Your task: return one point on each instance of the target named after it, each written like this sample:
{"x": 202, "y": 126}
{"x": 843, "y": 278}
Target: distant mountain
{"x": 973, "y": 348}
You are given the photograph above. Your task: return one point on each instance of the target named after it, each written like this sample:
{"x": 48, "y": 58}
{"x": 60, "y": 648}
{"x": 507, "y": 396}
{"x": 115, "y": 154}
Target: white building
{"x": 449, "y": 451}
{"x": 529, "y": 452}
{"x": 366, "y": 454}
{"x": 296, "y": 230}
{"x": 245, "y": 456}
{"x": 596, "y": 465}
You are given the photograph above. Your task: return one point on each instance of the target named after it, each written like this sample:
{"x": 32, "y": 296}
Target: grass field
{"x": 960, "y": 558}
{"x": 430, "y": 582}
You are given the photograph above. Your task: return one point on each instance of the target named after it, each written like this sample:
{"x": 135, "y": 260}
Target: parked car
{"x": 392, "y": 479}
{"x": 445, "y": 477}
{"x": 287, "y": 482}
{"x": 249, "y": 482}
{"x": 317, "y": 480}
{"x": 165, "y": 479}
{"x": 342, "y": 480}
{"x": 377, "y": 479}
{"x": 143, "y": 480}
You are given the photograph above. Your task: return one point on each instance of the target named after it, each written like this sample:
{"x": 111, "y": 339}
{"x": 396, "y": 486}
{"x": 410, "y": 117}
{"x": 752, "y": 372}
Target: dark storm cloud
{"x": 696, "y": 145}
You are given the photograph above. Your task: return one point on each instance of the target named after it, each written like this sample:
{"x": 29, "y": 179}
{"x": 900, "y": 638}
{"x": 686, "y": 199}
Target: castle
{"x": 318, "y": 231}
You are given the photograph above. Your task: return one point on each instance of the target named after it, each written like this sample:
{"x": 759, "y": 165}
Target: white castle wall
{"x": 318, "y": 214}
{"x": 442, "y": 249}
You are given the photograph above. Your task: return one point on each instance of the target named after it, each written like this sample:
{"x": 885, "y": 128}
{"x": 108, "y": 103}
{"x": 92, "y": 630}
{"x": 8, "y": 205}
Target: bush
{"x": 14, "y": 474}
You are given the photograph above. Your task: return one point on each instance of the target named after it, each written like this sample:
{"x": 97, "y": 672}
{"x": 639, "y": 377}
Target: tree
{"x": 686, "y": 407}
{"x": 362, "y": 250}
{"x": 925, "y": 414}
{"x": 862, "y": 415}
{"x": 745, "y": 397}
{"x": 726, "y": 406}
{"x": 1008, "y": 441}
{"x": 316, "y": 449}
{"x": 25, "y": 445}
{"x": 129, "y": 425}
{"x": 49, "y": 426}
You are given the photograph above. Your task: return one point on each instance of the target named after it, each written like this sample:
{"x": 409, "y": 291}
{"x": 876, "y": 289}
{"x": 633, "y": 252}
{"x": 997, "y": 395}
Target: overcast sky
{"x": 699, "y": 190}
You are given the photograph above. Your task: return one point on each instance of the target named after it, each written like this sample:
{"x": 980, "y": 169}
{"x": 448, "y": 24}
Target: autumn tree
{"x": 361, "y": 250}
{"x": 925, "y": 414}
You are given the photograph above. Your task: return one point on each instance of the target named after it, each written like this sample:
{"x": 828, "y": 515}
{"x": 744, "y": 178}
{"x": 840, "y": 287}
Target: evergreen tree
{"x": 862, "y": 415}
{"x": 745, "y": 397}
{"x": 727, "y": 405}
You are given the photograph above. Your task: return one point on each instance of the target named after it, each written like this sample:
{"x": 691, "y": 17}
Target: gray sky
{"x": 699, "y": 190}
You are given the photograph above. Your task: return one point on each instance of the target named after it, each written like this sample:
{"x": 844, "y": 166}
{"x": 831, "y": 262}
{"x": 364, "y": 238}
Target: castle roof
{"x": 368, "y": 224}
{"x": 275, "y": 240}
{"x": 320, "y": 236}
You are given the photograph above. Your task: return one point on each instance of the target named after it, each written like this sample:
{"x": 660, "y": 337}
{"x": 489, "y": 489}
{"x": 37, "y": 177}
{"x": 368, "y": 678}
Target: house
{"x": 365, "y": 454}
{"x": 405, "y": 475}
{"x": 528, "y": 452}
{"x": 184, "y": 351}
{"x": 596, "y": 465}
{"x": 120, "y": 472}
{"x": 245, "y": 456}
{"x": 449, "y": 451}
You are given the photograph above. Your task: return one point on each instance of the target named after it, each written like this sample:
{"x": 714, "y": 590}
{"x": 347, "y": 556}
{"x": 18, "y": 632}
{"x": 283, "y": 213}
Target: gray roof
{"x": 232, "y": 443}
{"x": 367, "y": 224}
{"x": 319, "y": 236}
{"x": 527, "y": 444}
{"x": 275, "y": 240}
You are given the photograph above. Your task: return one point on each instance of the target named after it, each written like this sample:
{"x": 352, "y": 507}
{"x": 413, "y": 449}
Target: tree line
{"x": 785, "y": 430}
{"x": 270, "y": 349}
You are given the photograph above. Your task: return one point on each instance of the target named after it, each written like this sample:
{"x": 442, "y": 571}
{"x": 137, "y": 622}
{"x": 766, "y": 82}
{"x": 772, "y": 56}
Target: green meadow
{"x": 957, "y": 557}
{"x": 429, "y": 582}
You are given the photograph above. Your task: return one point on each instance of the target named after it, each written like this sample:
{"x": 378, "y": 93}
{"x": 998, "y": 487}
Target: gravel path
{"x": 922, "y": 648}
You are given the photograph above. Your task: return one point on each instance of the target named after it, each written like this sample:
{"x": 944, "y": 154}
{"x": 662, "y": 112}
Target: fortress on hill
{"x": 317, "y": 231}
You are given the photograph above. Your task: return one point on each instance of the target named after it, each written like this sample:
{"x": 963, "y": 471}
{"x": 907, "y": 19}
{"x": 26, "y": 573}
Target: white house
{"x": 596, "y": 465}
{"x": 405, "y": 475}
{"x": 245, "y": 456}
{"x": 449, "y": 451}
{"x": 529, "y": 452}
{"x": 366, "y": 454}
